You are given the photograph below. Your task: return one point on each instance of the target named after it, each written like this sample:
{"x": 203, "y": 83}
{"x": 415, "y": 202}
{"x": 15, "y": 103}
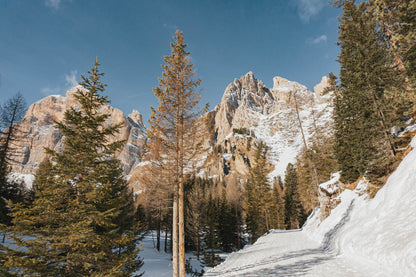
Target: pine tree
{"x": 227, "y": 222}
{"x": 211, "y": 238}
{"x": 397, "y": 21}
{"x": 278, "y": 209}
{"x": 259, "y": 198}
{"x": 81, "y": 220}
{"x": 365, "y": 107}
{"x": 294, "y": 212}
{"x": 174, "y": 125}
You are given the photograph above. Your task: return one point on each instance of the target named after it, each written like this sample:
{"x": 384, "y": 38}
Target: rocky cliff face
{"x": 251, "y": 111}
{"x": 38, "y": 126}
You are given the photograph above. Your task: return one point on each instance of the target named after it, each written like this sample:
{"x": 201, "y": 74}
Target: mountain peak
{"x": 137, "y": 119}
{"x": 319, "y": 88}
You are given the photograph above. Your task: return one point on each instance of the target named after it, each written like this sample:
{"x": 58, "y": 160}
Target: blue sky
{"x": 46, "y": 44}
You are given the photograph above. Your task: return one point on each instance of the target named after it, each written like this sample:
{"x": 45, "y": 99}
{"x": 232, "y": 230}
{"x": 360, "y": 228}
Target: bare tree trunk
{"x": 181, "y": 230}
{"x": 267, "y": 220}
{"x": 158, "y": 235}
{"x": 175, "y": 269}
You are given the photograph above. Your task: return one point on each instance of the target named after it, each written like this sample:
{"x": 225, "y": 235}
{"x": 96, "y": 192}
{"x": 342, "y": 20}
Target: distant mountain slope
{"x": 39, "y": 132}
{"x": 361, "y": 237}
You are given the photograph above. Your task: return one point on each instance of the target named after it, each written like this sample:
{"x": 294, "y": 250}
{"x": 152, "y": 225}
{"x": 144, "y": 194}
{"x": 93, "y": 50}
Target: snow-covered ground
{"x": 361, "y": 237}
{"x": 159, "y": 264}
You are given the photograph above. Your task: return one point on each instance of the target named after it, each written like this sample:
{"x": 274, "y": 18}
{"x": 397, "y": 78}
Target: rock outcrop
{"x": 271, "y": 116}
{"x": 40, "y": 132}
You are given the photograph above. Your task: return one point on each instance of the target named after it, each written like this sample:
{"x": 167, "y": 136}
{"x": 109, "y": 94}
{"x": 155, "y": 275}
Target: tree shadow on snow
{"x": 293, "y": 263}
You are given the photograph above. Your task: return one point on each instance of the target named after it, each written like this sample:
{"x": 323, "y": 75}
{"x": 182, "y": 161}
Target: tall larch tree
{"x": 81, "y": 220}
{"x": 173, "y": 123}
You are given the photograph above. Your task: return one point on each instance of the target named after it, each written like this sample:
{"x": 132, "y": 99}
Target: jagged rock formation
{"x": 38, "y": 126}
{"x": 256, "y": 112}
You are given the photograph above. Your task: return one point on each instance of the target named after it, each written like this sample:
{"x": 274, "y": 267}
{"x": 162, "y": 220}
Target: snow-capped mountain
{"x": 271, "y": 116}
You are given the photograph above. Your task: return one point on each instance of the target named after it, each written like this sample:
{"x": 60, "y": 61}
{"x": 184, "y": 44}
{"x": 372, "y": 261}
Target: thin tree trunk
{"x": 158, "y": 235}
{"x": 166, "y": 240}
{"x": 238, "y": 228}
{"x": 181, "y": 230}
{"x": 267, "y": 220}
{"x": 175, "y": 269}
{"x": 197, "y": 244}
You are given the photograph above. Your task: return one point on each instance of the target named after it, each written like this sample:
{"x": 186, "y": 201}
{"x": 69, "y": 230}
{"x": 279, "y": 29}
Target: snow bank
{"x": 331, "y": 186}
{"x": 361, "y": 236}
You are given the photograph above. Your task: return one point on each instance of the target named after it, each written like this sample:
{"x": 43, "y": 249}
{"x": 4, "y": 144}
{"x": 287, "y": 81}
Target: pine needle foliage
{"x": 368, "y": 101}
{"x": 259, "y": 196}
{"x": 81, "y": 220}
{"x": 295, "y": 214}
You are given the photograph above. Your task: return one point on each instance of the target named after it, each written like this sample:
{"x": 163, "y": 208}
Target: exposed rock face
{"x": 270, "y": 115}
{"x": 319, "y": 88}
{"x": 38, "y": 125}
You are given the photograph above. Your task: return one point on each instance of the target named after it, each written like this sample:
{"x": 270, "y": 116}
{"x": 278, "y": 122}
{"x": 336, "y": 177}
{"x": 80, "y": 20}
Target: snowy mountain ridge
{"x": 271, "y": 114}
{"x": 361, "y": 236}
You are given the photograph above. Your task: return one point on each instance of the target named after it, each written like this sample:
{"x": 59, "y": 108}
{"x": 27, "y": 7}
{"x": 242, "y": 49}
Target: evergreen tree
{"x": 81, "y": 220}
{"x": 211, "y": 238}
{"x": 174, "y": 125}
{"x": 294, "y": 212}
{"x": 365, "y": 107}
{"x": 278, "y": 209}
{"x": 397, "y": 21}
{"x": 227, "y": 221}
{"x": 259, "y": 198}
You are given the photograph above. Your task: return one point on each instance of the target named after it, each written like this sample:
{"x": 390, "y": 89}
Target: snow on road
{"x": 361, "y": 237}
